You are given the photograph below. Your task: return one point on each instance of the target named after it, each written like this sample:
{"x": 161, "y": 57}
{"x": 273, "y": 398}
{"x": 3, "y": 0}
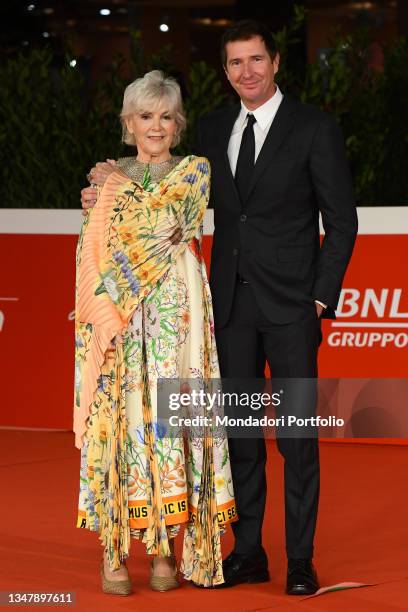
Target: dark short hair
{"x": 245, "y": 30}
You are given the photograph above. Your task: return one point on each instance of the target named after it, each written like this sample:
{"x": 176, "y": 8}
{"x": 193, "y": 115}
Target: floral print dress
{"x": 170, "y": 335}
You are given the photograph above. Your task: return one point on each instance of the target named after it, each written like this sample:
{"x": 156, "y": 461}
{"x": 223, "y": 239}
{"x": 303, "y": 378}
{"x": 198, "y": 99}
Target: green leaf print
{"x": 166, "y": 327}
{"x": 224, "y": 457}
{"x": 100, "y": 289}
{"x": 193, "y": 466}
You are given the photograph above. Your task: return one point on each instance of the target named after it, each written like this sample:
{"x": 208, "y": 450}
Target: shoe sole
{"x": 259, "y": 578}
{"x": 115, "y": 587}
{"x": 263, "y": 577}
{"x": 163, "y": 583}
{"x": 300, "y": 591}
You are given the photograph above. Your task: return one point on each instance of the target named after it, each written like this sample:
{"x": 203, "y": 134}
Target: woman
{"x": 143, "y": 312}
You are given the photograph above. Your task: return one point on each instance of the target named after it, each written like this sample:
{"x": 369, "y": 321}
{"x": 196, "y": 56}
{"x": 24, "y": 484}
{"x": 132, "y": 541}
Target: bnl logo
{"x": 375, "y": 310}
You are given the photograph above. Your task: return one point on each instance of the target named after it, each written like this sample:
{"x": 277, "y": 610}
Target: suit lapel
{"x": 281, "y": 125}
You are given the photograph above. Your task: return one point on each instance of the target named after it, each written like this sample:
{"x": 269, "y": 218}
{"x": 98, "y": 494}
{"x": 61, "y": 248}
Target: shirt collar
{"x": 263, "y": 114}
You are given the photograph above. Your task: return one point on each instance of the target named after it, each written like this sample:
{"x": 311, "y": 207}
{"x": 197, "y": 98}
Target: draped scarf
{"x": 127, "y": 244}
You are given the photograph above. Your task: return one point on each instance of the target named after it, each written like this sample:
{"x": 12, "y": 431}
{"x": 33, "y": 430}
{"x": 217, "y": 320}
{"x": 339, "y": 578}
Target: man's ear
{"x": 226, "y": 73}
{"x": 275, "y": 62}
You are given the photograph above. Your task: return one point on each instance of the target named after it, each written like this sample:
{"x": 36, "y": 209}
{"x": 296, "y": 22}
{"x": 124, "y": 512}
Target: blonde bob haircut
{"x": 148, "y": 92}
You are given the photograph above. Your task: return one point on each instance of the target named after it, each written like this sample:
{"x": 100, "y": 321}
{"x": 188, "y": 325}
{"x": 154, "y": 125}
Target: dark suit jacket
{"x": 274, "y": 234}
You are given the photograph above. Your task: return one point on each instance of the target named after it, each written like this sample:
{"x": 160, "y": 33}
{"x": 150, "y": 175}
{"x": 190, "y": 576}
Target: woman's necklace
{"x": 146, "y": 173}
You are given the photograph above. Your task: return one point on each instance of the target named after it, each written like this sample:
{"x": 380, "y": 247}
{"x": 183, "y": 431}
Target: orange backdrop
{"x": 369, "y": 339}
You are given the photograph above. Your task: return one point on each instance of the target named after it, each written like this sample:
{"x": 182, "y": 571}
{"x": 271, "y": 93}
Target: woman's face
{"x": 153, "y": 131}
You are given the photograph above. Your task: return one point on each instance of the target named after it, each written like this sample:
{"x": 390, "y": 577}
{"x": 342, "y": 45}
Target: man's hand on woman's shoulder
{"x": 88, "y": 198}
{"x": 100, "y": 172}
{"x": 96, "y": 176}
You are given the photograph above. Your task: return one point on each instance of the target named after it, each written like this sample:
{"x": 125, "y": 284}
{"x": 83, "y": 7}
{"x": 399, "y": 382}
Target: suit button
{"x": 235, "y": 251}
{"x": 243, "y": 218}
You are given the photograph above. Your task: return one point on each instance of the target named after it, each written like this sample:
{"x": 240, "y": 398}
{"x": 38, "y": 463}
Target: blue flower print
{"x": 190, "y": 178}
{"x": 203, "y": 168}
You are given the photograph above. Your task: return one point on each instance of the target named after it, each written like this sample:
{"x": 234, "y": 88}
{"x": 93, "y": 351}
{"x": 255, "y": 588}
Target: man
{"x": 275, "y": 164}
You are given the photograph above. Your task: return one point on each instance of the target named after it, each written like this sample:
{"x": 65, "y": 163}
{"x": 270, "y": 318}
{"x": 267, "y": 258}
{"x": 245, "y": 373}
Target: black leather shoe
{"x": 240, "y": 569}
{"x": 302, "y": 578}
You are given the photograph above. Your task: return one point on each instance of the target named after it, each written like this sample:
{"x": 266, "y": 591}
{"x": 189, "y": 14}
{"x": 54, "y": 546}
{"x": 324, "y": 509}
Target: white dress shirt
{"x": 264, "y": 116}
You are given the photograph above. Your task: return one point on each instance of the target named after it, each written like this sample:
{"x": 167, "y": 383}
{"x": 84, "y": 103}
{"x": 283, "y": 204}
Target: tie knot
{"x": 251, "y": 120}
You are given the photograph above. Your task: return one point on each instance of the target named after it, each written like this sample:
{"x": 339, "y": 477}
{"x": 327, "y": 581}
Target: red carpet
{"x": 362, "y": 534}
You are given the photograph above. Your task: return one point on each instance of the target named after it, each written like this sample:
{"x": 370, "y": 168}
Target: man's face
{"x": 251, "y": 71}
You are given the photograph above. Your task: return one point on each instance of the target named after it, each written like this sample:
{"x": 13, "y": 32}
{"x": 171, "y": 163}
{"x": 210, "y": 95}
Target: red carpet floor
{"x": 362, "y": 533}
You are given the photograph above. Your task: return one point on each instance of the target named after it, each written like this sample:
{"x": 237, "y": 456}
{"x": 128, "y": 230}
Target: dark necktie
{"x": 246, "y": 158}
